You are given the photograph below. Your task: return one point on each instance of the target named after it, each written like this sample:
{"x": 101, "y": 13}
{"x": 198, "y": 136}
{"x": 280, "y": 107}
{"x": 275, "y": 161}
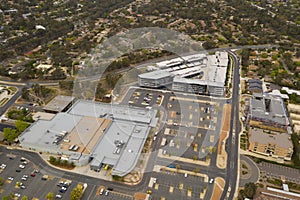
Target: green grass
{"x": 244, "y": 172}
{"x": 4, "y": 101}
{"x": 275, "y": 181}
{"x": 243, "y": 146}
{"x": 12, "y": 90}
{"x": 244, "y": 166}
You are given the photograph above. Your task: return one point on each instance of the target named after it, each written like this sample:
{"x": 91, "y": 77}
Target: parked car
{"x": 101, "y": 191}
{"x": 22, "y": 166}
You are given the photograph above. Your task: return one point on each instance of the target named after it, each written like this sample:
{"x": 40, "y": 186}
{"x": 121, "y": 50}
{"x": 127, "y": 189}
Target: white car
{"x": 25, "y": 176}
{"x": 101, "y": 191}
{"x": 154, "y": 180}
{"x": 58, "y": 196}
{"x": 24, "y": 179}
{"x": 10, "y": 178}
{"x": 17, "y": 195}
{"x": 211, "y": 181}
{"x": 22, "y": 166}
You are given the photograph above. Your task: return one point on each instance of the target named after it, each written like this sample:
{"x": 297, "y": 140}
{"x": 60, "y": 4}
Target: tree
{"x": 10, "y": 134}
{"x": 249, "y": 190}
{"x": 58, "y": 74}
{"x": 5, "y": 198}
{"x": 50, "y": 196}
{"x": 21, "y": 126}
{"x": 24, "y": 198}
{"x": 210, "y": 44}
{"x": 1, "y": 181}
{"x": 298, "y": 53}
{"x": 25, "y": 93}
{"x": 52, "y": 159}
{"x": 76, "y": 193}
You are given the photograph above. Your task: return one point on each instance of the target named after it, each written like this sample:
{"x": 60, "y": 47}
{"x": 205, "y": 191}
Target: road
{"x": 91, "y": 181}
{"x": 230, "y": 174}
{"x": 11, "y": 101}
{"x": 232, "y": 142}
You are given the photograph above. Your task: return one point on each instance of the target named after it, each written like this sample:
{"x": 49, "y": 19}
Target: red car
{"x": 33, "y": 175}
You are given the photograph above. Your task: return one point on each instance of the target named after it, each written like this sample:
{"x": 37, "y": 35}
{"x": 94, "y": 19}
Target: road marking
{"x": 171, "y": 189}
{"x": 92, "y": 192}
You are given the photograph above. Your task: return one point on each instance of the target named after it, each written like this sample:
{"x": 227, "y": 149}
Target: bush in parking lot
{"x": 50, "y": 196}
{"x": 76, "y": 193}
{"x": 24, "y": 198}
{"x": 1, "y": 181}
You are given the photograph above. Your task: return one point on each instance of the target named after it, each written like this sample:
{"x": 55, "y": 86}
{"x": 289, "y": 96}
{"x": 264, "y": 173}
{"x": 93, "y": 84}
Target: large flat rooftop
{"x": 282, "y": 140}
{"x": 59, "y": 103}
{"x": 268, "y": 107}
{"x": 110, "y": 134}
{"x": 121, "y": 112}
{"x": 210, "y": 68}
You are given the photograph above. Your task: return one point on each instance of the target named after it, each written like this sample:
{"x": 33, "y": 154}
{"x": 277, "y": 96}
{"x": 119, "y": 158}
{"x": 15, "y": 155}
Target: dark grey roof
{"x": 59, "y": 103}
{"x": 275, "y": 112}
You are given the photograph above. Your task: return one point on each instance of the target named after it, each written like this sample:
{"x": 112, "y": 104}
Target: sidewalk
{"x": 249, "y": 153}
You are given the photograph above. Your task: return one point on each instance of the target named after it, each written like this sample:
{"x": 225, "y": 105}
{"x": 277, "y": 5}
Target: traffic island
{"x": 222, "y": 155}
{"x": 218, "y": 188}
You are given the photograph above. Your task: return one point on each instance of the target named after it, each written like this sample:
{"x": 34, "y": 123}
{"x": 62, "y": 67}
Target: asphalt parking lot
{"x": 113, "y": 196}
{"x": 146, "y": 98}
{"x": 183, "y": 142}
{"x": 278, "y": 171}
{"x": 176, "y": 186}
{"x": 35, "y": 187}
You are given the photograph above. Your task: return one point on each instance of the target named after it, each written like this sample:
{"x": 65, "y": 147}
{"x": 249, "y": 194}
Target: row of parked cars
{"x": 63, "y": 187}
{"x": 105, "y": 192}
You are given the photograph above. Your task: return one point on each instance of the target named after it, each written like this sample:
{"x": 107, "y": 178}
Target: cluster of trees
{"x": 77, "y": 192}
{"x": 288, "y": 61}
{"x": 66, "y": 85}
{"x": 248, "y": 191}
{"x": 22, "y": 115}
{"x": 1, "y": 182}
{"x": 296, "y": 154}
{"x": 42, "y": 91}
{"x": 11, "y": 134}
{"x": 61, "y": 163}
{"x": 12, "y": 196}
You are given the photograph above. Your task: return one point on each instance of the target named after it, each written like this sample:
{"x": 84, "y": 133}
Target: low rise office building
{"x": 268, "y": 112}
{"x": 270, "y": 143}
